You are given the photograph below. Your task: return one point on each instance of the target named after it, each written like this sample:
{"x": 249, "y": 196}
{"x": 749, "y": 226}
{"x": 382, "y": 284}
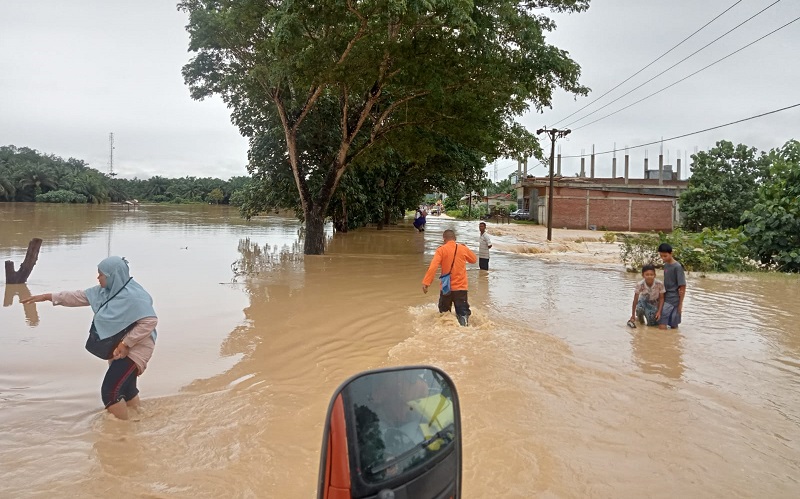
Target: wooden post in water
{"x": 21, "y": 276}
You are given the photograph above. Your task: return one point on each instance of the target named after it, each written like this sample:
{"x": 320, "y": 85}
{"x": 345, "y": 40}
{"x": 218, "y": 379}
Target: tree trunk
{"x": 25, "y": 269}
{"x": 344, "y": 214}
{"x": 315, "y": 233}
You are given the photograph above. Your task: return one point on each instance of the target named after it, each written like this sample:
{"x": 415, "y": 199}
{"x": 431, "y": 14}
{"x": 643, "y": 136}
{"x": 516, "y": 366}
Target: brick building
{"x": 608, "y": 203}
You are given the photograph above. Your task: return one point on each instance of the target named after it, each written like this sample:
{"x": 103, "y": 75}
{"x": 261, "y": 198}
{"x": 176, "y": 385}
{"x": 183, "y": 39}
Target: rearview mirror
{"x": 392, "y": 432}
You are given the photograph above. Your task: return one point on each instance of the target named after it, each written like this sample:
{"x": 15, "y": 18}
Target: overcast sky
{"x": 73, "y": 71}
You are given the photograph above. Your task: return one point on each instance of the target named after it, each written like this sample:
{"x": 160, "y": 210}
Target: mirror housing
{"x": 393, "y": 432}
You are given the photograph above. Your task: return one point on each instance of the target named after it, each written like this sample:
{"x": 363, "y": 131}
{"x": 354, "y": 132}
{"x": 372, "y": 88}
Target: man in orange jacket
{"x": 453, "y": 259}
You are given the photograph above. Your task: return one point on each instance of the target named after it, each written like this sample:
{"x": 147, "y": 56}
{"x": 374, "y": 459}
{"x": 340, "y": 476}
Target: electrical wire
{"x": 689, "y": 76}
{"x": 651, "y": 63}
{"x": 691, "y": 133}
{"x": 677, "y": 63}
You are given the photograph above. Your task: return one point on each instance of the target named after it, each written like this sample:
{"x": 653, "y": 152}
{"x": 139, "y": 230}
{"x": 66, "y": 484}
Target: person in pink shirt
{"x": 119, "y": 303}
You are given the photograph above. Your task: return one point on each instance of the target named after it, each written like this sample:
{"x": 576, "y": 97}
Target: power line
{"x": 693, "y": 133}
{"x": 679, "y": 62}
{"x": 651, "y": 63}
{"x": 689, "y": 76}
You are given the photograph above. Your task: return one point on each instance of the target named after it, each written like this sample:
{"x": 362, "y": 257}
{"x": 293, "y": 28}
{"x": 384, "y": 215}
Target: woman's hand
{"x": 37, "y": 298}
{"x": 121, "y": 351}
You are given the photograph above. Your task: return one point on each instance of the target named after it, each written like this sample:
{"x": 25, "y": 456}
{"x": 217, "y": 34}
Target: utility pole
{"x": 553, "y": 134}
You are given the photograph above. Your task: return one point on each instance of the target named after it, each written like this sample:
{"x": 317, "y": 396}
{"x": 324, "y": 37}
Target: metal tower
{"x": 111, "y": 155}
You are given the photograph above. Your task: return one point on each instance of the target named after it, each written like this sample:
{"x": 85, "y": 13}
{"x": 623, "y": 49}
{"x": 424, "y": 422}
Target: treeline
{"x": 28, "y": 175}
{"x": 741, "y": 210}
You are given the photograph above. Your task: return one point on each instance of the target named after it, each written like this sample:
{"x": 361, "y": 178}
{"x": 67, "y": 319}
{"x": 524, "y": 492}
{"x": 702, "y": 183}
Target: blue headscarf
{"x": 128, "y": 306}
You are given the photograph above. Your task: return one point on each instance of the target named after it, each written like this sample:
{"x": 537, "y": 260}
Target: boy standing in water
{"x": 483, "y": 249}
{"x": 675, "y": 286}
{"x": 648, "y": 298}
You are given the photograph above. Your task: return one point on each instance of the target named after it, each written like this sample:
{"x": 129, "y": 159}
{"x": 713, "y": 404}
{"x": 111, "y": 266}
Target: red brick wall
{"x": 611, "y": 210}
{"x": 651, "y": 215}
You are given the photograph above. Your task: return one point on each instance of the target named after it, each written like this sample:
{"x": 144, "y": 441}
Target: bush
{"x": 61, "y": 196}
{"x": 455, "y": 213}
{"x": 609, "y": 237}
{"x": 639, "y": 250}
{"x": 707, "y": 251}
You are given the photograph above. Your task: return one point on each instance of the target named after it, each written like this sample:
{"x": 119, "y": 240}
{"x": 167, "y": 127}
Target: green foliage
{"x": 706, "y": 251}
{"x": 450, "y": 203}
{"x": 324, "y": 87}
{"x": 609, "y": 237}
{"x": 773, "y": 223}
{"x": 455, "y": 213}
{"x": 722, "y": 187}
{"x": 61, "y": 196}
{"x": 215, "y": 196}
{"x": 638, "y": 250}
{"x": 27, "y": 175}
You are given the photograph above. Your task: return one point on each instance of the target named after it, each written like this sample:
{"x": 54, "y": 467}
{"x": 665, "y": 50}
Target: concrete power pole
{"x": 553, "y": 134}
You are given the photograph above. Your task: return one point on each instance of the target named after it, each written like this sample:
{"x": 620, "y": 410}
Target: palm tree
{"x": 157, "y": 186}
{"x": 7, "y": 190}
{"x": 36, "y": 180}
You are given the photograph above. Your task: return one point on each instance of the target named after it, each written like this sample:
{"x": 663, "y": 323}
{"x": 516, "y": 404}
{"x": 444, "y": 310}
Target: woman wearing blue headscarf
{"x": 118, "y": 302}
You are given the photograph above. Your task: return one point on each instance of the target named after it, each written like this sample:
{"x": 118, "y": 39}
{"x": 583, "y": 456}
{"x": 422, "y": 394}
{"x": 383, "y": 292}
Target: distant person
{"x": 483, "y": 248}
{"x": 419, "y": 219}
{"x": 648, "y": 298}
{"x": 675, "y": 286}
{"x": 119, "y": 303}
{"x": 452, "y": 258}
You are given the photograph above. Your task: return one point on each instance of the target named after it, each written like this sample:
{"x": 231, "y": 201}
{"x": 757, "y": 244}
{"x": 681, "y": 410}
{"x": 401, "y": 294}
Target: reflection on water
{"x": 657, "y": 351}
{"x": 22, "y": 292}
{"x": 558, "y": 397}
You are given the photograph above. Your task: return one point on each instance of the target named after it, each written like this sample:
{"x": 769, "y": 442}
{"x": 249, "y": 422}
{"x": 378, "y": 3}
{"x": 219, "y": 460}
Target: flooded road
{"x": 559, "y": 398}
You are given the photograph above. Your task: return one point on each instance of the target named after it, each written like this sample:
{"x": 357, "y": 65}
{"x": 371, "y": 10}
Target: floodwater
{"x": 559, "y": 398}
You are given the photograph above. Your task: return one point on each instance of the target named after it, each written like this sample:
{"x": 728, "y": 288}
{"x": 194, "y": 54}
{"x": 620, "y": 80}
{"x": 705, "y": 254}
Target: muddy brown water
{"x": 559, "y": 398}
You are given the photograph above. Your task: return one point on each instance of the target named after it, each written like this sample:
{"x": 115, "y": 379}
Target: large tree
{"x": 375, "y": 72}
{"x": 773, "y": 224}
{"x": 723, "y": 185}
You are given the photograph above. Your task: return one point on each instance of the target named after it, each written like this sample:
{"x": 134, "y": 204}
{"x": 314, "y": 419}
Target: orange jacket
{"x": 444, "y": 258}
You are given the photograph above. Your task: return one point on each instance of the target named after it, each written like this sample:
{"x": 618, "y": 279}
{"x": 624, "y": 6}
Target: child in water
{"x": 648, "y": 298}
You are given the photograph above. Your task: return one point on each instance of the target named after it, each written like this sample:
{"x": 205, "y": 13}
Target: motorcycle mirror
{"x": 393, "y": 432}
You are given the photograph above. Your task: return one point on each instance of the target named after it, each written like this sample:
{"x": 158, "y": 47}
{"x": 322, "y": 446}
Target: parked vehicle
{"x": 520, "y": 215}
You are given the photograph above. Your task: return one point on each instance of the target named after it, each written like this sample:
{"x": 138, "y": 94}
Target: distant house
{"x": 495, "y": 201}
{"x": 476, "y": 198}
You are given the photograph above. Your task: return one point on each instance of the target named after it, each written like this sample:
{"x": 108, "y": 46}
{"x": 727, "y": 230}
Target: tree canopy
{"x": 29, "y": 175}
{"x": 773, "y": 223}
{"x": 330, "y": 81}
{"x": 723, "y": 186}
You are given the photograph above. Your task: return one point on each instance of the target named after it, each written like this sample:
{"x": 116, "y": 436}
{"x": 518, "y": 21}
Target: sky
{"x": 73, "y": 72}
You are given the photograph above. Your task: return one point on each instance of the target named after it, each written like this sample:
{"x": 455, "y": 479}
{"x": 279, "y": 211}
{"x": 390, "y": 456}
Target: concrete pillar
{"x": 591, "y": 167}
{"x": 583, "y": 165}
{"x": 660, "y": 169}
{"x": 519, "y": 170}
{"x": 525, "y": 168}
{"x": 645, "y": 165}
{"x": 614, "y": 167}
{"x": 679, "y": 168}
{"x": 558, "y": 164}
{"x": 627, "y": 166}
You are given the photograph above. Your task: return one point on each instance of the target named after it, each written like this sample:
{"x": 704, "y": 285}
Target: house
{"x": 604, "y": 203}
{"x": 495, "y": 201}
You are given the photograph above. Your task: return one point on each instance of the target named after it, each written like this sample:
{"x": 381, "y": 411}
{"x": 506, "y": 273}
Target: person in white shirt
{"x": 483, "y": 250}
